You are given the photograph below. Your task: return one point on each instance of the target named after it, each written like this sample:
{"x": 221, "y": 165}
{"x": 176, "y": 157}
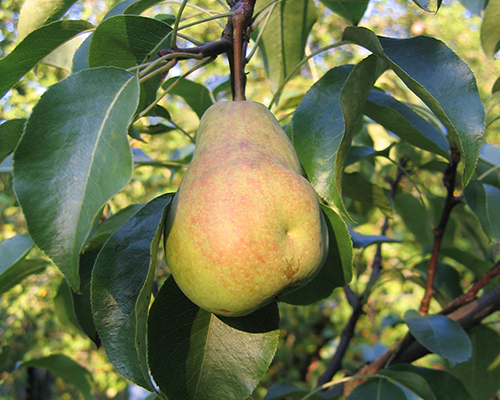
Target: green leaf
{"x": 34, "y": 47}
{"x": 411, "y": 381}
{"x": 337, "y": 270}
{"x": 35, "y": 13}
{"x": 194, "y": 354}
{"x": 13, "y": 250}
{"x": 196, "y": 95}
{"x": 10, "y": 133}
{"x": 282, "y": 391}
{"x": 284, "y": 39}
{"x": 76, "y": 143}
{"x": 440, "y": 335}
{"x": 377, "y": 389}
{"x": 468, "y": 260}
{"x": 490, "y": 29}
{"x": 350, "y": 10}
{"x": 19, "y": 271}
{"x": 415, "y": 217}
{"x": 443, "y": 385}
{"x": 360, "y": 241}
{"x": 65, "y": 307}
{"x": 424, "y": 64}
{"x": 481, "y": 374}
{"x": 357, "y": 188}
{"x": 62, "y": 57}
{"x": 138, "y": 6}
{"x": 325, "y": 121}
{"x": 496, "y": 86}
{"x": 474, "y": 6}
{"x": 67, "y": 369}
{"x": 484, "y": 200}
{"x": 5, "y": 356}
{"x": 404, "y": 122}
{"x": 121, "y": 288}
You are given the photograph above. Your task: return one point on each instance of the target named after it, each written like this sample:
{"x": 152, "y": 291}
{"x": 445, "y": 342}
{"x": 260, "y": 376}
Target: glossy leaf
{"x": 67, "y": 369}
{"x": 404, "y": 122}
{"x": 84, "y": 160}
{"x": 13, "y": 250}
{"x": 284, "y": 39}
{"x": 424, "y": 64}
{"x": 481, "y": 374}
{"x": 35, "y": 13}
{"x": 194, "y": 354}
{"x": 10, "y": 133}
{"x": 34, "y": 47}
{"x": 357, "y": 188}
{"x": 350, "y": 10}
{"x": 490, "y": 29}
{"x": 440, "y": 335}
{"x": 377, "y": 389}
{"x": 337, "y": 270}
{"x": 360, "y": 241}
{"x": 484, "y": 200}
{"x": 121, "y": 289}
{"x": 325, "y": 121}
{"x": 195, "y": 94}
{"x": 411, "y": 381}
{"x": 444, "y": 386}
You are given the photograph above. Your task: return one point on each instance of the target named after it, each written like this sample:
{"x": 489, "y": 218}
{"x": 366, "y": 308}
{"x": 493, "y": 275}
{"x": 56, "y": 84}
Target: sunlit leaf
{"x": 75, "y": 143}
{"x": 484, "y": 200}
{"x": 19, "y": 271}
{"x": 194, "y": 354}
{"x": 490, "y": 28}
{"x": 10, "y": 133}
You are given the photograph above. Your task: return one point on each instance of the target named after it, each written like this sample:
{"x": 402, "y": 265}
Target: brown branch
{"x": 451, "y": 201}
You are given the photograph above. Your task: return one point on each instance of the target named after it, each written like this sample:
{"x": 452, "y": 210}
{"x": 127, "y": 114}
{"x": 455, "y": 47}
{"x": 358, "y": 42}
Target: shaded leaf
{"x": 337, "y": 270}
{"x": 484, "y": 200}
{"x": 84, "y": 160}
{"x": 357, "y": 188}
{"x": 481, "y": 374}
{"x": 284, "y": 391}
{"x": 19, "y": 271}
{"x": 194, "y": 354}
{"x": 65, "y": 307}
{"x": 138, "y": 6}
{"x": 415, "y": 217}
{"x": 411, "y": 381}
{"x": 284, "y": 39}
{"x": 67, "y": 369}
{"x": 10, "y": 133}
{"x": 350, "y": 10}
{"x": 377, "y": 389}
{"x": 34, "y": 47}
{"x": 490, "y": 28}
{"x": 196, "y": 95}
{"x": 441, "y": 80}
{"x": 62, "y": 57}
{"x": 440, "y": 335}
{"x": 360, "y": 241}
{"x": 475, "y": 6}
{"x": 121, "y": 286}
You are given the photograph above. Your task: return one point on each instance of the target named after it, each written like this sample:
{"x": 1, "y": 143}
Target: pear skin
{"x": 245, "y": 226}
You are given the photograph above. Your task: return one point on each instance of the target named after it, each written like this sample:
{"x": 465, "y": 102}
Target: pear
{"x": 245, "y": 226}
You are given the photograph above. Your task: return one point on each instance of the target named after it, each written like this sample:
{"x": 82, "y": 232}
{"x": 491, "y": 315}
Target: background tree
{"x": 400, "y": 140}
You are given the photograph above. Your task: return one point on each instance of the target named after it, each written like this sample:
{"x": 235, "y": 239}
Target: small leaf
{"x": 350, "y": 10}
{"x": 481, "y": 374}
{"x": 337, "y": 270}
{"x": 36, "y": 13}
{"x": 194, "y": 354}
{"x": 34, "y": 47}
{"x": 490, "y": 29}
{"x": 424, "y": 64}
{"x": 440, "y": 335}
{"x": 377, "y": 389}
{"x": 67, "y": 369}
{"x": 284, "y": 38}
{"x": 444, "y": 385}
{"x": 84, "y": 160}
{"x": 196, "y": 95}
{"x": 484, "y": 200}
{"x": 121, "y": 283}
{"x": 360, "y": 241}
{"x": 10, "y": 133}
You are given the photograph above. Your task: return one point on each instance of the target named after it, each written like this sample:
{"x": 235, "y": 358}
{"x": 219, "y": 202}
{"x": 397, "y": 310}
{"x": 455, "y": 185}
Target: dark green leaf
{"x": 404, "y": 122}
{"x": 196, "y": 95}
{"x": 337, "y": 270}
{"x": 443, "y": 82}
{"x": 415, "y": 217}
{"x": 283, "y": 391}
{"x": 484, "y": 200}
{"x": 468, "y": 260}
{"x": 19, "y": 271}
{"x": 490, "y": 29}
{"x": 194, "y": 354}
{"x": 481, "y": 374}
{"x": 5, "y": 356}
{"x": 496, "y": 86}
{"x": 411, "y": 381}
{"x": 35, "y": 13}
{"x": 361, "y": 241}
{"x": 350, "y": 10}
{"x": 444, "y": 385}
{"x": 139, "y": 6}
{"x": 377, "y": 389}
{"x": 36, "y": 46}
{"x": 65, "y": 307}
{"x": 13, "y": 250}
{"x": 10, "y": 133}
{"x": 440, "y": 335}
{"x": 284, "y": 38}
{"x": 84, "y": 160}
{"x": 357, "y": 153}
{"x": 121, "y": 289}
{"x": 67, "y": 369}
{"x": 357, "y": 188}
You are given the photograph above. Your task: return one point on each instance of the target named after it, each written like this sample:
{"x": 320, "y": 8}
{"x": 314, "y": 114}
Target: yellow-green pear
{"x": 245, "y": 226}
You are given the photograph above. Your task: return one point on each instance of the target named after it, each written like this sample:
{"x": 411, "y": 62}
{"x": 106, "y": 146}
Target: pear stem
{"x": 239, "y": 68}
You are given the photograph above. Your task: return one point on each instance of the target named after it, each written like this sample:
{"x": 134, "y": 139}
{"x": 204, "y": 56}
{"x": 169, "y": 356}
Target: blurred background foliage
{"x": 33, "y": 323}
